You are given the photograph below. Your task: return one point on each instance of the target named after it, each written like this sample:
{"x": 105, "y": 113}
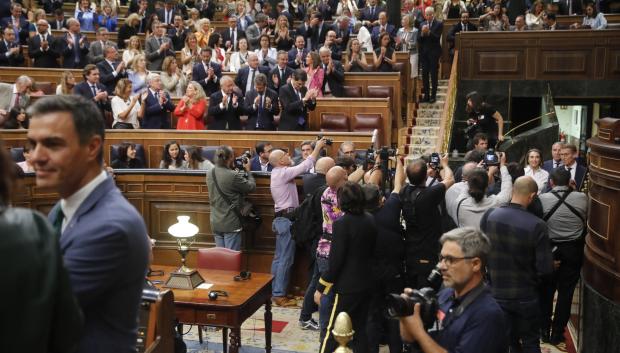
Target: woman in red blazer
{"x": 191, "y": 109}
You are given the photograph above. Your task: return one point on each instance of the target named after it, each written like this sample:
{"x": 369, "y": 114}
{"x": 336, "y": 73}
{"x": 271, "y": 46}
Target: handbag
{"x": 249, "y": 218}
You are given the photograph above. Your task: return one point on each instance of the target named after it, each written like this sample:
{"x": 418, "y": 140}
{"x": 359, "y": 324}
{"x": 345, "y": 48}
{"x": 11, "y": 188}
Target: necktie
{"x": 464, "y": 28}
{"x": 251, "y": 82}
{"x": 569, "y": 169}
{"x": 94, "y": 89}
{"x": 557, "y": 164}
{"x": 160, "y": 40}
{"x": 76, "y": 48}
{"x": 60, "y": 217}
{"x": 372, "y": 11}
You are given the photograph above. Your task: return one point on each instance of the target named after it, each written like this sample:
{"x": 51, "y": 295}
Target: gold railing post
{"x": 449, "y": 106}
{"x": 343, "y": 332}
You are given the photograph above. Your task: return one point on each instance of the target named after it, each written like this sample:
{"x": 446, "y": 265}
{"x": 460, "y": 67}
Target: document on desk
{"x": 205, "y": 286}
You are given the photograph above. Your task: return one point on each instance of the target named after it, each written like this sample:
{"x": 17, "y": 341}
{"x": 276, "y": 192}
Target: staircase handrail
{"x": 449, "y": 106}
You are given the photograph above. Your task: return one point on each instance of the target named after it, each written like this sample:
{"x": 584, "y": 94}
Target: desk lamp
{"x": 184, "y": 277}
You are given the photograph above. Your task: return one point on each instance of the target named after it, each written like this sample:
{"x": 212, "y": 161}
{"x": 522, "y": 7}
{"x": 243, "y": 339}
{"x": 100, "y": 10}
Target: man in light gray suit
{"x": 158, "y": 46}
{"x": 103, "y": 238}
{"x": 95, "y": 52}
{"x": 254, "y": 31}
{"x": 14, "y": 96}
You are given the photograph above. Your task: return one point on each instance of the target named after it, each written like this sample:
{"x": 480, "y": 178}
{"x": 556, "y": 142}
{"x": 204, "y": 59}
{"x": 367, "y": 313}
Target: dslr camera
{"x": 398, "y": 306}
{"x": 384, "y": 153}
{"x": 242, "y": 159}
{"x": 328, "y": 142}
{"x": 491, "y": 158}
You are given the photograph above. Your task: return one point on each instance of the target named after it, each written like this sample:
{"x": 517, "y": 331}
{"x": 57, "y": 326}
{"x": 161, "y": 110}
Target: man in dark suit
{"x": 382, "y": 26}
{"x": 167, "y": 13}
{"x": 59, "y": 21}
{"x": 158, "y": 104}
{"x": 50, "y": 6}
{"x": 302, "y": 30}
{"x": 111, "y": 70}
{"x": 430, "y": 52}
{"x": 551, "y": 24}
{"x": 296, "y": 101}
{"x": 556, "y": 158}
{"x": 462, "y": 26}
{"x": 96, "y": 49}
{"x": 103, "y": 239}
{"x": 260, "y": 162}
{"x": 297, "y": 55}
{"x": 343, "y": 32}
{"x": 232, "y": 34}
{"x": 18, "y": 22}
{"x": 91, "y": 89}
{"x": 261, "y": 105}
{"x": 207, "y": 9}
{"x": 280, "y": 74}
{"x": 75, "y": 46}
{"x": 334, "y": 74}
{"x": 207, "y": 73}
{"x": 225, "y": 107}
{"x": 331, "y": 43}
{"x": 10, "y": 51}
{"x": 178, "y": 33}
{"x": 370, "y": 14}
{"x": 578, "y": 172}
{"x": 42, "y": 48}
{"x": 318, "y": 30}
{"x": 246, "y": 75}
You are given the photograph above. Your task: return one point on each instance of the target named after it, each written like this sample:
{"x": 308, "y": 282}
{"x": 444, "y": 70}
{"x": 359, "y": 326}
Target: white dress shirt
{"x": 540, "y": 176}
{"x": 71, "y": 204}
{"x": 119, "y": 106}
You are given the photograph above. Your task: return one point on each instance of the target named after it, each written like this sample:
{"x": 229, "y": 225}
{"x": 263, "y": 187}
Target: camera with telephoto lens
{"x": 242, "y": 159}
{"x": 398, "y": 306}
{"x": 434, "y": 161}
{"x": 328, "y": 142}
{"x": 491, "y": 158}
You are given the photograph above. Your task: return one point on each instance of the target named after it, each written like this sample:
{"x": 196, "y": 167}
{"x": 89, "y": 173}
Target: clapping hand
{"x": 267, "y": 102}
{"x": 70, "y": 40}
{"x": 225, "y": 100}
{"x": 234, "y": 99}
{"x": 82, "y": 38}
{"x": 45, "y": 44}
{"x": 120, "y": 67}
{"x": 162, "y": 98}
{"x": 210, "y": 73}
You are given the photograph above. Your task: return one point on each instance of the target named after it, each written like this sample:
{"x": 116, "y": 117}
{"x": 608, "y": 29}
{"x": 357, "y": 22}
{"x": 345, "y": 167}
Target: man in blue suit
{"x": 158, "y": 104}
{"x": 92, "y": 89}
{"x": 382, "y": 26}
{"x": 297, "y": 55}
{"x": 578, "y": 172}
{"x": 247, "y": 74}
{"x": 556, "y": 158}
{"x": 207, "y": 73}
{"x": 103, "y": 239}
{"x": 75, "y": 46}
{"x": 18, "y": 22}
{"x": 260, "y": 162}
{"x": 430, "y": 52}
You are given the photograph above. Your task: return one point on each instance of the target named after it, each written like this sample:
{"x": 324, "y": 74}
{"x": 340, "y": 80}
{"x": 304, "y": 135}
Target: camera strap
{"x": 458, "y": 207}
{"x": 217, "y": 186}
{"x": 455, "y": 313}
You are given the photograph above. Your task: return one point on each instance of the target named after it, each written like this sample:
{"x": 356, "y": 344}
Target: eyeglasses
{"x": 451, "y": 260}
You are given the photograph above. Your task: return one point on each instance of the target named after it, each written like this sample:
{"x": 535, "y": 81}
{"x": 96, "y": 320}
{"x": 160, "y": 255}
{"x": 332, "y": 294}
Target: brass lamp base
{"x": 184, "y": 280}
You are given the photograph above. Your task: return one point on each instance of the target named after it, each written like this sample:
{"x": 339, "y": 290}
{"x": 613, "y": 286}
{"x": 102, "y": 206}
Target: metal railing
{"x": 447, "y": 117}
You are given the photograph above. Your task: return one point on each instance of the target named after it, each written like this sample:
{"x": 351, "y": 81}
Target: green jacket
{"x": 234, "y": 185}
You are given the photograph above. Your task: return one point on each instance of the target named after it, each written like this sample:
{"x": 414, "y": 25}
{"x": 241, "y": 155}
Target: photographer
{"x": 232, "y": 185}
{"x": 420, "y": 206}
{"x": 470, "y": 319}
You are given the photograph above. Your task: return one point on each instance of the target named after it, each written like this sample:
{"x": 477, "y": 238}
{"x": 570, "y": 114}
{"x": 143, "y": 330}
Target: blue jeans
{"x": 229, "y": 240}
{"x": 523, "y": 320}
{"x": 283, "y": 257}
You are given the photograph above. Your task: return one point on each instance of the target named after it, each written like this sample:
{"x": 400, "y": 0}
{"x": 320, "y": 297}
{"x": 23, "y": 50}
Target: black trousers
{"x": 564, "y": 280}
{"x": 381, "y": 329}
{"x": 356, "y": 305}
{"x": 430, "y": 66}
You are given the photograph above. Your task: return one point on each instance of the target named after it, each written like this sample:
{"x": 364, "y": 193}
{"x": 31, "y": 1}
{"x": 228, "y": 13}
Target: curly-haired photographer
{"x": 470, "y": 320}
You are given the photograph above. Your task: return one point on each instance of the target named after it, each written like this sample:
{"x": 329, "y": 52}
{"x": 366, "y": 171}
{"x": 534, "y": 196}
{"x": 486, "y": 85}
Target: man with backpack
{"x": 565, "y": 212}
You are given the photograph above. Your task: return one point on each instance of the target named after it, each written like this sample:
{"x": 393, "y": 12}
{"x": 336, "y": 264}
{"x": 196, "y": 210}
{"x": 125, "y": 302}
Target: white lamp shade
{"x": 183, "y": 229}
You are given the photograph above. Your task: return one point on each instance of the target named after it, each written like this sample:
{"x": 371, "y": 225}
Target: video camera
{"x": 242, "y": 159}
{"x": 398, "y": 306}
{"x": 384, "y": 154}
{"x": 490, "y": 158}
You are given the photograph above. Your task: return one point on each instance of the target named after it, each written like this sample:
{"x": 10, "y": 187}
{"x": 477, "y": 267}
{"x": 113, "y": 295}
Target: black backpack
{"x": 308, "y": 223}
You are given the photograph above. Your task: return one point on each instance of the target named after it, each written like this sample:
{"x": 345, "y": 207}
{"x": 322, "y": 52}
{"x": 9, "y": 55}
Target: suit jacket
{"x": 336, "y": 52}
{"x": 22, "y": 33}
{"x": 256, "y": 167}
{"x": 226, "y": 37}
{"x": 6, "y": 97}
{"x": 580, "y": 176}
{"x": 294, "y": 111}
{"x": 281, "y": 80}
{"x": 124, "y": 33}
{"x": 252, "y": 33}
{"x": 549, "y": 166}
{"x": 50, "y": 7}
{"x": 366, "y": 16}
{"x": 11, "y": 60}
{"x": 261, "y": 116}
{"x": 106, "y": 249}
{"x": 106, "y": 75}
{"x": 40, "y": 58}
{"x": 157, "y": 116}
{"x": 153, "y": 57}
{"x": 68, "y": 54}
{"x": 335, "y": 79}
{"x": 207, "y": 10}
{"x": 430, "y": 44}
{"x": 317, "y": 39}
{"x": 457, "y": 28}
{"x": 292, "y": 55}
{"x": 199, "y": 74}
{"x": 244, "y": 75}
{"x": 227, "y": 118}
{"x": 83, "y": 89}
{"x": 95, "y": 52}
{"x": 54, "y": 24}
{"x": 345, "y": 35}
{"x": 178, "y": 38}
{"x": 376, "y": 31}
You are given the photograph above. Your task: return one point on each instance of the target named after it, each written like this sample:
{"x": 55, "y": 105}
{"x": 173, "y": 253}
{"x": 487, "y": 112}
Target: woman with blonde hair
{"x": 173, "y": 80}
{"x": 126, "y": 110}
{"x": 129, "y": 29}
{"x": 191, "y": 108}
{"x": 406, "y": 41}
{"x": 355, "y": 61}
{"x": 203, "y": 32}
{"x": 137, "y": 73}
{"x": 284, "y": 41}
{"x": 134, "y": 48}
{"x": 315, "y": 73}
{"x": 66, "y": 84}
{"x": 190, "y": 54}
{"x": 194, "y": 17}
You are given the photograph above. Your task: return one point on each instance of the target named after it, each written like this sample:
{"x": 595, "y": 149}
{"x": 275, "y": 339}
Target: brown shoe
{"x": 283, "y": 301}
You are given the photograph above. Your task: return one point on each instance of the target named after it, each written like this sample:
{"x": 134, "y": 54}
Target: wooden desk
{"x": 193, "y": 307}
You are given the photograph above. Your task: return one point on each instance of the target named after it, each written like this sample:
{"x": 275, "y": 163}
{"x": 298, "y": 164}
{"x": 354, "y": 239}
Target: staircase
{"x": 423, "y": 125}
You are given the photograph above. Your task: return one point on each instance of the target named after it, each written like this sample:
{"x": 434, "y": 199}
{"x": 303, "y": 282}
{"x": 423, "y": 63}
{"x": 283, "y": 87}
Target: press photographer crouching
{"x": 469, "y": 319}
{"x": 228, "y": 183}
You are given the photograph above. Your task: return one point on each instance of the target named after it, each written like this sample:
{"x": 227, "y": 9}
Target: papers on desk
{"x": 205, "y": 286}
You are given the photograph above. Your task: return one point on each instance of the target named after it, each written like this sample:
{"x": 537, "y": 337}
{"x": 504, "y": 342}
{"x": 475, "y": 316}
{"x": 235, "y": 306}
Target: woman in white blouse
{"x": 266, "y": 54}
{"x": 190, "y": 54}
{"x": 533, "y": 159}
{"x": 346, "y": 4}
{"x": 134, "y": 48}
{"x": 126, "y": 110}
{"x": 238, "y": 59}
{"x": 534, "y": 18}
